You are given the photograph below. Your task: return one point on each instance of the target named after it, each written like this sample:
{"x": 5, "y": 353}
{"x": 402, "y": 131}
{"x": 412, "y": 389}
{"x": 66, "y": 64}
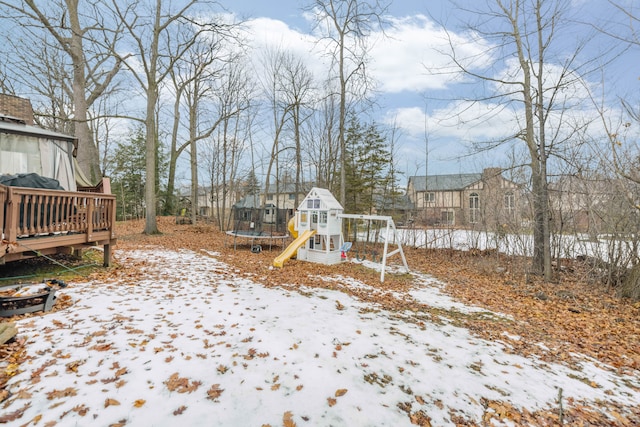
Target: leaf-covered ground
{"x": 572, "y": 315}
{"x": 559, "y": 323}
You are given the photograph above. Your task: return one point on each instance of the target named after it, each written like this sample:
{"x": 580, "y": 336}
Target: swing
{"x": 374, "y": 230}
{"x": 362, "y": 248}
{"x": 376, "y": 236}
{"x": 385, "y": 238}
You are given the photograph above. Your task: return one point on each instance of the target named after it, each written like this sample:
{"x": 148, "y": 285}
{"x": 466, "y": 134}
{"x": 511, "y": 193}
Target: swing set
{"x": 360, "y": 232}
{"x": 366, "y": 239}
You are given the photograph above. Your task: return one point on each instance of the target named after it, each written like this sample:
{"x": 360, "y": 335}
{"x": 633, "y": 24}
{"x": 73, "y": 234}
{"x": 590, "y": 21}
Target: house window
{"x": 314, "y": 217}
{"x": 292, "y": 196}
{"x": 323, "y": 218}
{"x": 310, "y": 203}
{"x": 316, "y": 204}
{"x": 303, "y": 217}
{"x": 269, "y": 196}
{"x": 474, "y": 208}
{"x": 430, "y": 197}
{"x": 448, "y": 218}
{"x": 510, "y": 203}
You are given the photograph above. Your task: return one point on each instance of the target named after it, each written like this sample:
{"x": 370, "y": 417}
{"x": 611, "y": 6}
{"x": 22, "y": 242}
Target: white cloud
{"x": 460, "y": 120}
{"x": 273, "y": 32}
{"x": 409, "y": 57}
{"x": 412, "y": 56}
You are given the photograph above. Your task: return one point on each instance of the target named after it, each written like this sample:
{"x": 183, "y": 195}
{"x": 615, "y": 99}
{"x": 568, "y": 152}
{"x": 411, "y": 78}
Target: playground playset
{"x": 317, "y": 230}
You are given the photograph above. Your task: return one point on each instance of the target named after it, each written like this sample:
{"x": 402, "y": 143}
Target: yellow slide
{"x": 293, "y": 248}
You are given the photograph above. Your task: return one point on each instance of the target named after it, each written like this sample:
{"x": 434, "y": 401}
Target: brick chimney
{"x": 14, "y": 106}
{"x": 491, "y": 173}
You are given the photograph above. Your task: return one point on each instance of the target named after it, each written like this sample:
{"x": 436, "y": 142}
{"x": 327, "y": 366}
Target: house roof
{"x": 400, "y": 202}
{"x": 450, "y": 182}
{"x": 248, "y": 202}
{"x": 326, "y": 198}
{"x": 287, "y": 188}
{"x": 9, "y": 125}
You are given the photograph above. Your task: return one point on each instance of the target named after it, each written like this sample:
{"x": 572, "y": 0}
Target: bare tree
{"x": 191, "y": 79}
{"x": 92, "y": 67}
{"x": 280, "y": 110}
{"x": 297, "y": 88}
{"x": 629, "y": 35}
{"x": 622, "y": 156}
{"x": 288, "y": 87}
{"x": 321, "y": 142}
{"x": 156, "y": 45}
{"x": 345, "y": 25}
{"x": 232, "y": 91}
{"x": 40, "y": 69}
{"x": 536, "y": 87}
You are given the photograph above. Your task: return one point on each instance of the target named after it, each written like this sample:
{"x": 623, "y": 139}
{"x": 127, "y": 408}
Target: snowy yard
{"x": 189, "y": 340}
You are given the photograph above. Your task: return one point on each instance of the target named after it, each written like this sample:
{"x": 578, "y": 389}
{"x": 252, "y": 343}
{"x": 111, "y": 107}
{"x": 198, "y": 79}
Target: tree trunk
{"x": 151, "y": 223}
{"x": 341, "y": 130}
{"x": 541, "y": 262}
{"x": 193, "y": 114}
{"x": 88, "y": 156}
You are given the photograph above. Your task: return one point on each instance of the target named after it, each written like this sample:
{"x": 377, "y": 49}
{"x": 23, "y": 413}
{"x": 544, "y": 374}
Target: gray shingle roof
{"x": 248, "y": 202}
{"x": 445, "y": 182}
{"x": 288, "y": 188}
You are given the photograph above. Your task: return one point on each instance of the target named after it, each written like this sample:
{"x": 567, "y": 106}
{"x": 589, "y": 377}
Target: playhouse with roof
{"x": 316, "y": 229}
{"x": 317, "y": 232}
{"x": 319, "y": 215}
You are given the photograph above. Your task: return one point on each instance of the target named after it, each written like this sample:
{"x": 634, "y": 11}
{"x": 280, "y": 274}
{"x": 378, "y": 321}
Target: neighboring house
{"x": 485, "y": 198}
{"x": 285, "y": 197}
{"x": 209, "y": 202}
{"x": 593, "y": 205}
{"x": 398, "y": 206}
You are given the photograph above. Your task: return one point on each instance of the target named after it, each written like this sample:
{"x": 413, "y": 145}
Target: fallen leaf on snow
{"x": 12, "y": 416}
{"x": 287, "y": 420}
{"x": 111, "y": 402}
{"x": 57, "y": 394}
{"x": 181, "y": 385}
{"x": 214, "y": 392}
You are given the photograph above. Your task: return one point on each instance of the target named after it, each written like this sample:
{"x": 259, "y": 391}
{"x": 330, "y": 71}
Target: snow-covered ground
{"x": 566, "y": 246}
{"x": 189, "y": 341}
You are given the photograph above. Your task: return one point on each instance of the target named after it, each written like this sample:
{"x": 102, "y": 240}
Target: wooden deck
{"x": 37, "y": 221}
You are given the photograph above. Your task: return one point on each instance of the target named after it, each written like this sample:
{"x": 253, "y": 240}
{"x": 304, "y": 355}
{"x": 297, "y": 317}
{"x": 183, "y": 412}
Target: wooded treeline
{"x": 178, "y": 76}
{"x": 154, "y": 87}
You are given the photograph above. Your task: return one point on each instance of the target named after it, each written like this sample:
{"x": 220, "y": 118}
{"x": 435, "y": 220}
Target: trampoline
{"x": 258, "y": 225}
{"x": 256, "y": 237}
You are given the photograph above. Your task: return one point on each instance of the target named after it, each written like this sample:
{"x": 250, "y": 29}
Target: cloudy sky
{"x": 429, "y": 105}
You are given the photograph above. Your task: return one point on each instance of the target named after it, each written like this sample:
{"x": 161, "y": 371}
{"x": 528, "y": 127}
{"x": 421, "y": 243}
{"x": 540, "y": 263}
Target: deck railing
{"x": 33, "y": 217}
